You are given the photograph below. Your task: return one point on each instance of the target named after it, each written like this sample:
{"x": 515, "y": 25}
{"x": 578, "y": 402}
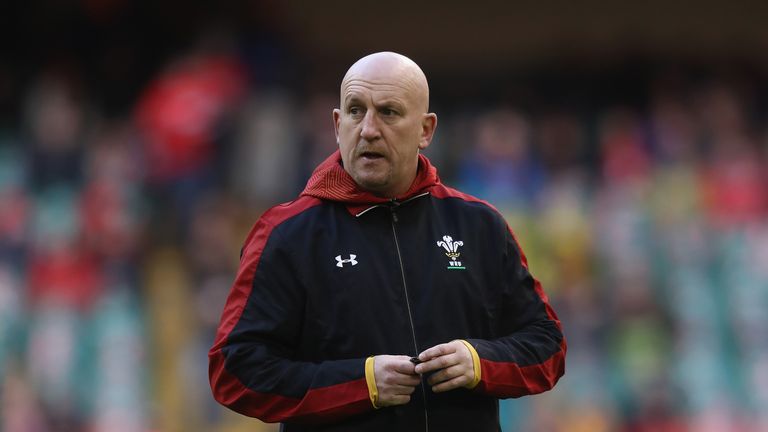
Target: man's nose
{"x": 370, "y": 130}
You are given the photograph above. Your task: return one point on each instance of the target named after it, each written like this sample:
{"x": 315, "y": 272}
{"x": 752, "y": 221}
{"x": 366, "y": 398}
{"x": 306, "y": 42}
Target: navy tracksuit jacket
{"x": 339, "y": 275}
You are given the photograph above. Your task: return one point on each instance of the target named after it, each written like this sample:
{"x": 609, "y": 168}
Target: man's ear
{"x": 428, "y": 126}
{"x": 336, "y": 120}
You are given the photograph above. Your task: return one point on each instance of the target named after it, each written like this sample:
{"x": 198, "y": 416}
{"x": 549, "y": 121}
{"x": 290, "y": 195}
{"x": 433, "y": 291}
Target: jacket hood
{"x": 331, "y": 182}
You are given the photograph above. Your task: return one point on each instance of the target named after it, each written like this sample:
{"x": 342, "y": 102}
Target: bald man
{"x": 381, "y": 299}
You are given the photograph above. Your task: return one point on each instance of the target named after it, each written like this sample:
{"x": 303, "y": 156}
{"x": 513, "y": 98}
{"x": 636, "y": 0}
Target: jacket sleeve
{"x": 530, "y": 356}
{"x": 254, "y": 368}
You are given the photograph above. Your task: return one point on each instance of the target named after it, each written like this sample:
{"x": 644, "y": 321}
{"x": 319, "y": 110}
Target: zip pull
{"x": 394, "y": 215}
{"x": 393, "y": 205}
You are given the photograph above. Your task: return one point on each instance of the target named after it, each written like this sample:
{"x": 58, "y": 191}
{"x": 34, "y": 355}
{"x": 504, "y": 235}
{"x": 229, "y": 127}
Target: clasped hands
{"x": 450, "y": 365}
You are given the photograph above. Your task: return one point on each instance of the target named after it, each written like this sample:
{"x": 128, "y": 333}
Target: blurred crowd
{"x": 646, "y": 221}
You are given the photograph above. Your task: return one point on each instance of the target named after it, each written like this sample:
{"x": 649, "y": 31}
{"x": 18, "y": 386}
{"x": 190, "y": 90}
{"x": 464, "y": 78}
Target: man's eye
{"x": 355, "y": 111}
{"x": 388, "y": 112}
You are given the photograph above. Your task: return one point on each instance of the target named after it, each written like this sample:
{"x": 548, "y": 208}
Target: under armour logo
{"x": 340, "y": 262}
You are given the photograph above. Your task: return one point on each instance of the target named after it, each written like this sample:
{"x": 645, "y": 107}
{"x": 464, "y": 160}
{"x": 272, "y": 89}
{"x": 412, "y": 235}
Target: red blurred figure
{"x": 625, "y": 156}
{"x": 178, "y": 113}
{"x": 734, "y": 186}
{"x": 65, "y": 276}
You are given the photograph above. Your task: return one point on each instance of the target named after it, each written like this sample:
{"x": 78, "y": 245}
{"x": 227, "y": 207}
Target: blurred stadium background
{"x": 626, "y": 143}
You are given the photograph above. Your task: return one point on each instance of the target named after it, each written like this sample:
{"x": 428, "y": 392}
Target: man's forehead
{"x": 397, "y": 89}
{"x": 359, "y": 88}
{"x": 378, "y": 93}
{"x": 383, "y": 74}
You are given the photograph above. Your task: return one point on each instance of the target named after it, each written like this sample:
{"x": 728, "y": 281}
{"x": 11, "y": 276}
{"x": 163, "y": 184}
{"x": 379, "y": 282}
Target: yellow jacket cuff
{"x": 475, "y": 364}
{"x": 370, "y": 379}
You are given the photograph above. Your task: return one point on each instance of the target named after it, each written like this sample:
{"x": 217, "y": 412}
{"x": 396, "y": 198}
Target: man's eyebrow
{"x": 351, "y": 98}
{"x": 392, "y": 103}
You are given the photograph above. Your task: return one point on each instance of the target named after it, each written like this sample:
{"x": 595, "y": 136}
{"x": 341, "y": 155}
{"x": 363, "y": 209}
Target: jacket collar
{"x": 331, "y": 182}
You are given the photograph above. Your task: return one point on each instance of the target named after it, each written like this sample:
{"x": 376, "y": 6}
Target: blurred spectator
{"x": 14, "y": 204}
{"x": 60, "y": 269}
{"x": 561, "y": 142}
{"x": 56, "y": 121}
{"x": 623, "y": 147}
{"x": 179, "y": 116}
{"x": 266, "y": 159}
{"x": 318, "y": 128}
{"x": 500, "y": 167}
{"x": 179, "y": 111}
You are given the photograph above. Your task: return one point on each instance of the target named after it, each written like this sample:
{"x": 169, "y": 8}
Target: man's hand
{"x": 395, "y": 379}
{"x": 452, "y": 362}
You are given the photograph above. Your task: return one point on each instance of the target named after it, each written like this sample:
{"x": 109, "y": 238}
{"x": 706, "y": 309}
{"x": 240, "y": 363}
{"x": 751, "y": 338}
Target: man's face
{"x": 380, "y": 127}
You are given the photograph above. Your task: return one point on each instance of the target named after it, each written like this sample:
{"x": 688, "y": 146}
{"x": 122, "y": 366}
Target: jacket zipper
{"x": 393, "y": 206}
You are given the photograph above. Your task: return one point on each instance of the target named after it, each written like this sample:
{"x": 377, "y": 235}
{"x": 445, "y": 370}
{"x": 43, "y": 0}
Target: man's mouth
{"x": 370, "y": 155}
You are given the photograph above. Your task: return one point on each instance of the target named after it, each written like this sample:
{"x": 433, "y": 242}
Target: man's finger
{"x": 405, "y": 380}
{"x": 454, "y": 383}
{"x": 437, "y": 363}
{"x": 447, "y": 374}
{"x": 404, "y": 367}
{"x": 399, "y": 400}
{"x": 437, "y": 351}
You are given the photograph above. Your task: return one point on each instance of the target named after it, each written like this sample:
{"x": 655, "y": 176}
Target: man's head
{"x": 383, "y": 122}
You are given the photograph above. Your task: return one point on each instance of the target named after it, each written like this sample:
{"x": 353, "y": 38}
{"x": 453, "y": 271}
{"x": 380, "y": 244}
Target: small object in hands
{"x": 415, "y": 360}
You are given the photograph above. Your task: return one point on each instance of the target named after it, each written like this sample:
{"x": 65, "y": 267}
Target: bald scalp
{"x": 390, "y": 68}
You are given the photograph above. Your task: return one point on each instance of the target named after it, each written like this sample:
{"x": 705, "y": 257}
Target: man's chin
{"x": 374, "y": 184}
